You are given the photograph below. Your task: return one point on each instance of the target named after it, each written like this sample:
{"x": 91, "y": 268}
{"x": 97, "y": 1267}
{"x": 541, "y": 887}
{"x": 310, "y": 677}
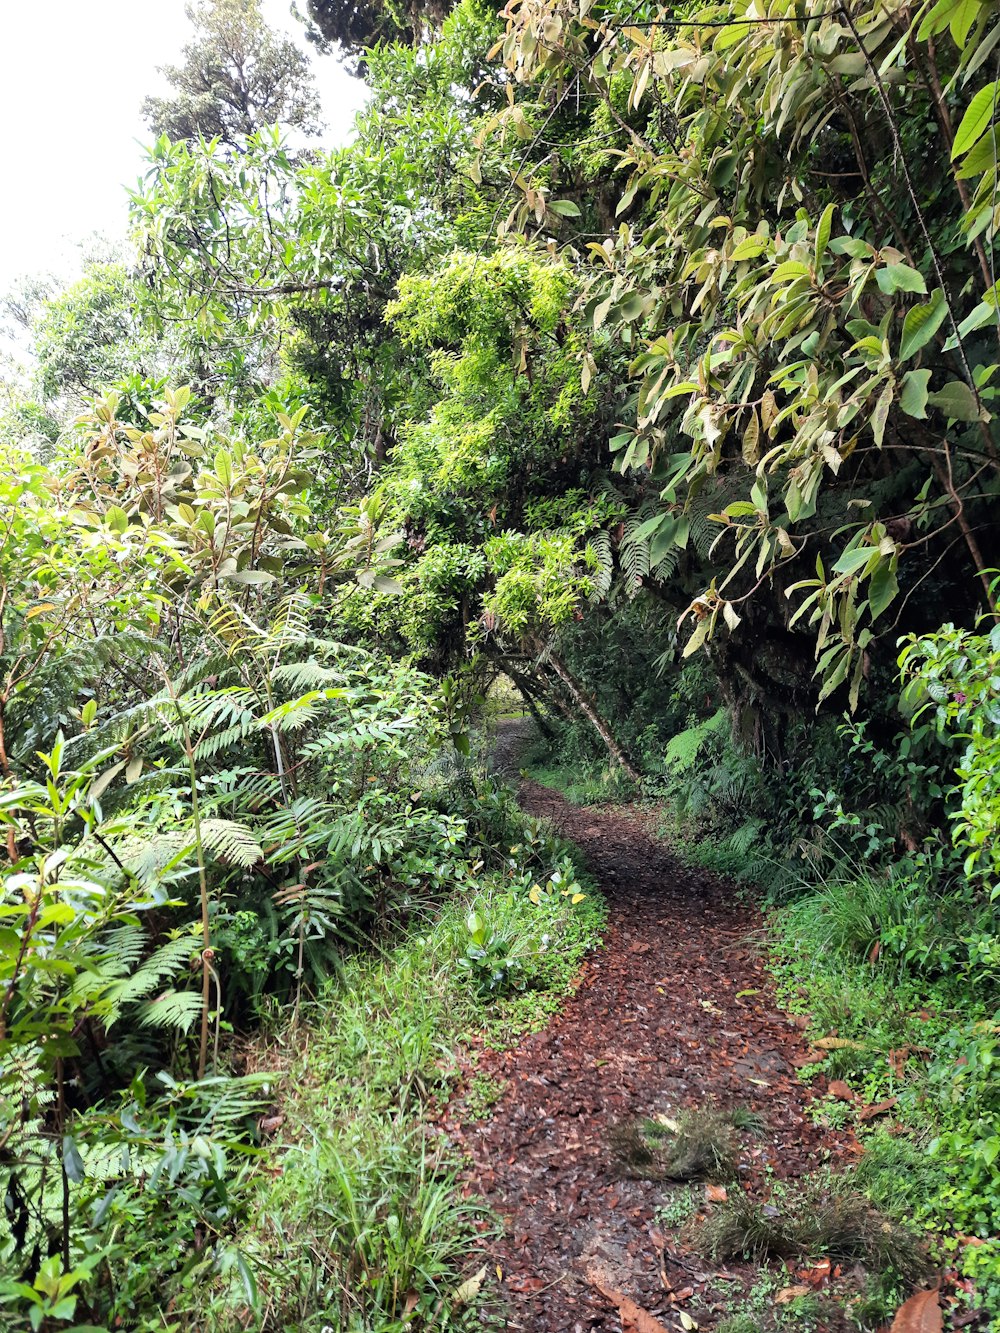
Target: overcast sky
{"x": 74, "y": 75}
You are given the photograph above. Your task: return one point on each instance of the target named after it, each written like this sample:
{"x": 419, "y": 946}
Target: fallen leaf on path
{"x": 634, "y": 1318}
{"x": 880, "y": 1108}
{"x": 787, "y": 1294}
{"x": 839, "y": 1089}
{"x": 469, "y": 1289}
{"x": 920, "y": 1314}
{"x": 810, "y": 1057}
{"x": 526, "y": 1284}
{"x": 817, "y": 1275}
{"x": 716, "y": 1194}
{"x": 687, "y": 1322}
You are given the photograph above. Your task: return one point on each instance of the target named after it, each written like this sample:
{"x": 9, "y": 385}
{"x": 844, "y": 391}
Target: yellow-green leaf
{"x": 921, "y": 324}
{"x": 977, "y": 119}
{"x": 963, "y": 16}
{"x": 823, "y": 233}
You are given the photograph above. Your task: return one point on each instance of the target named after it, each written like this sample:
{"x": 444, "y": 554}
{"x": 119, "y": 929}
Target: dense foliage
{"x": 641, "y": 359}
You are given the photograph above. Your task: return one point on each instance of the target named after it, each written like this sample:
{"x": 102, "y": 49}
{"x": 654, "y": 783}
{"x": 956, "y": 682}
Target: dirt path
{"x": 674, "y": 1011}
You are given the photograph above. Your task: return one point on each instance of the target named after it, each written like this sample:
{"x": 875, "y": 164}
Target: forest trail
{"x": 676, "y": 1010}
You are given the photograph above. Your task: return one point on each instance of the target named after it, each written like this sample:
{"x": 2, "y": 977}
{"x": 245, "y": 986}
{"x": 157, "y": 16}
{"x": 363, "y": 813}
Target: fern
{"x": 166, "y": 962}
{"x": 684, "y": 749}
{"x": 633, "y": 551}
{"x": 176, "y": 1009}
{"x": 232, "y": 842}
{"x": 601, "y": 576}
{"x": 301, "y": 677}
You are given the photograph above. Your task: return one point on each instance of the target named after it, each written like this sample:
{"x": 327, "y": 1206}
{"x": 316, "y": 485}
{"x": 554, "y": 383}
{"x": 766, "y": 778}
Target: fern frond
{"x": 176, "y": 1009}
{"x": 308, "y": 675}
{"x": 684, "y": 749}
{"x": 601, "y": 576}
{"x": 166, "y": 962}
{"x": 231, "y": 841}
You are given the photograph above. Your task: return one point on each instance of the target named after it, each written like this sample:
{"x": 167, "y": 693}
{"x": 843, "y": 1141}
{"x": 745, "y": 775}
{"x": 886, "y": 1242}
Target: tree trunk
{"x": 528, "y": 695}
{"x": 587, "y": 708}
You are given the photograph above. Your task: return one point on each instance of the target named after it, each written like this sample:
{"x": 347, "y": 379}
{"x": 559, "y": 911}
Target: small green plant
{"x": 483, "y": 1094}
{"x": 738, "y": 1323}
{"x": 491, "y": 959}
{"x": 679, "y": 1206}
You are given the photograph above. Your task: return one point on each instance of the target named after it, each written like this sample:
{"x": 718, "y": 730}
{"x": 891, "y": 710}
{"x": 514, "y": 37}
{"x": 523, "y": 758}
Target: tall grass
{"x": 360, "y": 1224}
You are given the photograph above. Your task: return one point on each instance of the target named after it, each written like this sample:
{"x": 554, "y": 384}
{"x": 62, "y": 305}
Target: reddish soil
{"x": 675, "y": 1010}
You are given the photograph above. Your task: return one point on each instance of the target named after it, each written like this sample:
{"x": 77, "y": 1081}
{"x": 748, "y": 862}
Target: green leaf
{"x": 383, "y": 584}
{"x": 255, "y": 576}
{"x": 977, "y": 119}
{"x": 921, "y": 324}
{"x": 564, "y": 208}
{"x": 982, "y": 315}
{"x": 72, "y": 1161}
{"x": 224, "y": 467}
{"x": 852, "y": 246}
{"x": 957, "y": 401}
{"x": 750, "y": 248}
{"x": 962, "y": 18}
{"x": 882, "y": 589}
{"x": 116, "y": 518}
{"x": 851, "y": 561}
{"x": 936, "y": 21}
{"x": 913, "y": 398}
{"x": 823, "y": 233}
{"x": 900, "y": 278}
{"x": 631, "y": 308}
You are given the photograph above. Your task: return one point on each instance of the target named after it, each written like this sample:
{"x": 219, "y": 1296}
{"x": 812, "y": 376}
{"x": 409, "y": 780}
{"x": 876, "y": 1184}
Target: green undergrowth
{"x": 360, "y": 1223}
{"x": 927, "y": 1046}
{"x": 582, "y": 779}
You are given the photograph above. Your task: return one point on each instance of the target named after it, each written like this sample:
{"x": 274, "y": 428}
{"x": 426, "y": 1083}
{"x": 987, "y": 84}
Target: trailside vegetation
{"x": 639, "y": 361}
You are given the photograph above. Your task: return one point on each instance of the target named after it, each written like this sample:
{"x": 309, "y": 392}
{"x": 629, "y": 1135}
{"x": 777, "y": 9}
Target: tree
{"x": 798, "y": 274}
{"x": 238, "y": 74}
{"x": 355, "y": 26}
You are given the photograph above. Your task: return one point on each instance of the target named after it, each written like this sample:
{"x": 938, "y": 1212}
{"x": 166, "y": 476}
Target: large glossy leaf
{"x": 921, "y": 324}
{"x": 979, "y": 115}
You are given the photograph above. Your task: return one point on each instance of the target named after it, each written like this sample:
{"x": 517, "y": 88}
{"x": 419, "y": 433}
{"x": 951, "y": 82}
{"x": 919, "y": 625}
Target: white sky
{"x": 74, "y": 74}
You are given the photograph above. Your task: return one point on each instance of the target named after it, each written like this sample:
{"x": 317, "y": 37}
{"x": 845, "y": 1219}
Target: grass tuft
{"x": 698, "y": 1145}
{"x": 812, "y": 1219}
